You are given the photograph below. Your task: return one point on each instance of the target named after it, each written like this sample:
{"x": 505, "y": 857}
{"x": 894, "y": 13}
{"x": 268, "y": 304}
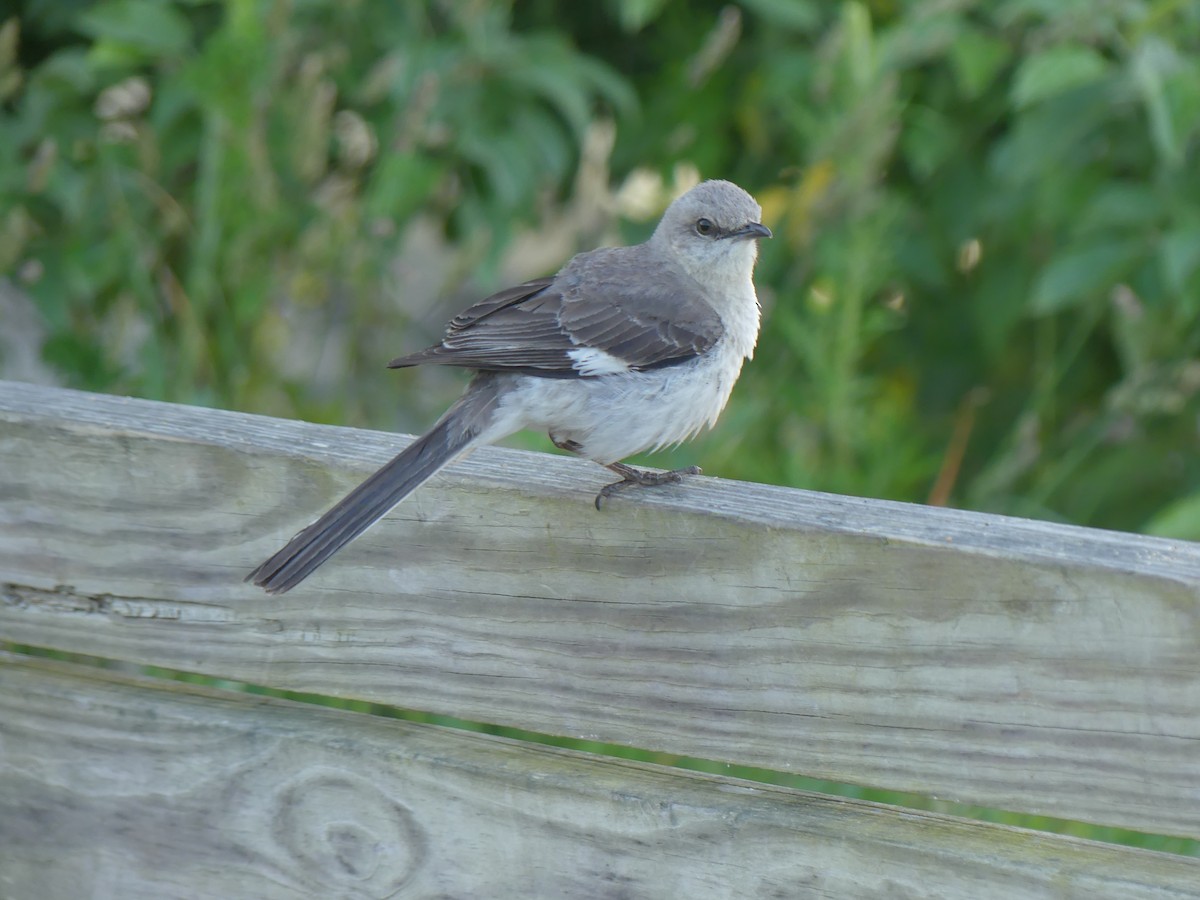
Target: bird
{"x": 624, "y": 349}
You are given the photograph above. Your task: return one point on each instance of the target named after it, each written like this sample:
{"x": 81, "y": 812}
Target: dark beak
{"x": 753, "y": 231}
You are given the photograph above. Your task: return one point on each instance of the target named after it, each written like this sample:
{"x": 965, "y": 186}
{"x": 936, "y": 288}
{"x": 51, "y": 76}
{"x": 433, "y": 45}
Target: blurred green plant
{"x": 178, "y": 178}
{"x": 983, "y": 290}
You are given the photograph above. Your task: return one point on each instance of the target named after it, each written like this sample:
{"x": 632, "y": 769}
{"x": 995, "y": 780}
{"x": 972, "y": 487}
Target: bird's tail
{"x": 453, "y": 434}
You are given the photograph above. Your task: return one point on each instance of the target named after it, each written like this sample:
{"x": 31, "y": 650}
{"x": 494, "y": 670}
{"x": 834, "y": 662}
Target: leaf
{"x": 67, "y": 71}
{"x": 860, "y": 44}
{"x": 1049, "y": 136}
{"x": 1150, "y": 61}
{"x": 399, "y": 184}
{"x": 1182, "y": 90}
{"x": 1180, "y": 519}
{"x": 546, "y": 143}
{"x": 154, "y": 28}
{"x": 928, "y": 141}
{"x": 546, "y": 70}
{"x": 1169, "y": 90}
{"x": 977, "y": 60}
{"x": 635, "y": 15}
{"x": 1120, "y": 205}
{"x": 919, "y": 39}
{"x": 799, "y": 15}
{"x": 1179, "y": 256}
{"x": 1056, "y": 71}
{"x": 608, "y": 83}
{"x": 1081, "y": 273}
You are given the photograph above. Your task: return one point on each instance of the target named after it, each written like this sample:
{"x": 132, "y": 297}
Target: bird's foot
{"x": 631, "y": 477}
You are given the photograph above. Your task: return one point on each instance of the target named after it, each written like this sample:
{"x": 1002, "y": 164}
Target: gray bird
{"x": 625, "y": 349}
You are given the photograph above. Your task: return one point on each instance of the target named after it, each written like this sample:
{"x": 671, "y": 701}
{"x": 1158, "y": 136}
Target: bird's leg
{"x": 631, "y": 477}
{"x": 568, "y": 445}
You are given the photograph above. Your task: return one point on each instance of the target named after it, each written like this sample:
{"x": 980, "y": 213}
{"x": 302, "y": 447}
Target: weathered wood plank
{"x": 114, "y": 788}
{"x": 1015, "y": 664}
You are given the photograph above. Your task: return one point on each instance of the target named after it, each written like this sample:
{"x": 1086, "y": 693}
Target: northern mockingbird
{"x": 623, "y": 350}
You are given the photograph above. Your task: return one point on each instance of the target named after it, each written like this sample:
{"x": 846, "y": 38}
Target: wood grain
{"x": 111, "y": 788}
{"x": 1014, "y": 664}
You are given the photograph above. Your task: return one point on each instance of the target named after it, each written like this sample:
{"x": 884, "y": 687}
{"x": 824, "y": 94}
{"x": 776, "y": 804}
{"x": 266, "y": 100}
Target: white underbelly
{"x": 612, "y": 417}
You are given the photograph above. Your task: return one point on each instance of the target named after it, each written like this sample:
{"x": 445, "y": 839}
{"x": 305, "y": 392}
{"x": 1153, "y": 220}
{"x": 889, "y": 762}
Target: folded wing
{"x": 602, "y": 314}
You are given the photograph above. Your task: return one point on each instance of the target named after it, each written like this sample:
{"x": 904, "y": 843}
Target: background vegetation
{"x": 983, "y": 290}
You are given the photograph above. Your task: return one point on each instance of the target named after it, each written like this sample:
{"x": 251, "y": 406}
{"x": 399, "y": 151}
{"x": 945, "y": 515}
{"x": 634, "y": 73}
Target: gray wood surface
{"x": 110, "y": 788}
{"x": 1015, "y": 664}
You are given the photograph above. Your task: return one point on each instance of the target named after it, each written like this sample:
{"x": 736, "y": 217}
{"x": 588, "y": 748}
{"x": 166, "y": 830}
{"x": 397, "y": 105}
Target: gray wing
{"x": 605, "y": 312}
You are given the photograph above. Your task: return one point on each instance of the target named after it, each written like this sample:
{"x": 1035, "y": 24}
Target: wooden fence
{"x": 1011, "y": 664}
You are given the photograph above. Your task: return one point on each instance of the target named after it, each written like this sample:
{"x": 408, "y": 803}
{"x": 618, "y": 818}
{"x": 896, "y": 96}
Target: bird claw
{"x": 631, "y": 477}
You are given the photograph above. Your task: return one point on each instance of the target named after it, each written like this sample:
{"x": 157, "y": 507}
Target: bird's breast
{"x": 612, "y": 417}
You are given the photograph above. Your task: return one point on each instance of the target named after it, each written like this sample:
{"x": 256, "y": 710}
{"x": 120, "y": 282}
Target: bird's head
{"x": 713, "y": 232}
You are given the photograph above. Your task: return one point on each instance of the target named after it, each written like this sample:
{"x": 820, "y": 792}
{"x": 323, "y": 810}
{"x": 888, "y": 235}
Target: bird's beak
{"x": 753, "y": 231}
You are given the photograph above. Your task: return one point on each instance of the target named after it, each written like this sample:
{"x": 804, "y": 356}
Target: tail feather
{"x": 370, "y": 501}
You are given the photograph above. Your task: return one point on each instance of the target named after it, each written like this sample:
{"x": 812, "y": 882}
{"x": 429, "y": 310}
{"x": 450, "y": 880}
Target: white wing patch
{"x": 588, "y": 361}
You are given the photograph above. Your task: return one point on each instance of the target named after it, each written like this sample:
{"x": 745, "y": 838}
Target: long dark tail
{"x": 454, "y": 433}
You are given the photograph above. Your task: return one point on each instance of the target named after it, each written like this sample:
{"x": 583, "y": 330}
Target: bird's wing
{"x": 603, "y": 314}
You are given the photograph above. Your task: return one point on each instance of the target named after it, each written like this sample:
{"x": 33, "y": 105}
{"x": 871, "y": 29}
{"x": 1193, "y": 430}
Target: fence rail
{"x": 1008, "y": 663}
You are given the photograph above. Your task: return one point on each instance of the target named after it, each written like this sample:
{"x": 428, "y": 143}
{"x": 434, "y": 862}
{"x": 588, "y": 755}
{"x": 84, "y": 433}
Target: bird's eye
{"x": 705, "y": 227}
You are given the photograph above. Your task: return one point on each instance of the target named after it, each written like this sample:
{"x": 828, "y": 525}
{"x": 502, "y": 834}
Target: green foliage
{"x": 984, "y": 285}
{"x": 188, "y": 174}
